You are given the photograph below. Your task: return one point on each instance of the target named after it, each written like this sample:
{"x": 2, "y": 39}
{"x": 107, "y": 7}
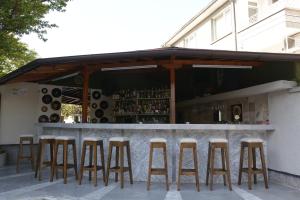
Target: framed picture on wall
{"x": 237, "y": 113}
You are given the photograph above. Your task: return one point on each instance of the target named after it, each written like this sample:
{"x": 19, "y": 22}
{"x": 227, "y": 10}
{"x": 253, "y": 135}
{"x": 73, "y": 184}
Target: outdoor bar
{"x": 169, "y": 94}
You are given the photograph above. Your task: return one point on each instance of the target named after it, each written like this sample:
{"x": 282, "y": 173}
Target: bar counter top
{"x": 246, "y": 127}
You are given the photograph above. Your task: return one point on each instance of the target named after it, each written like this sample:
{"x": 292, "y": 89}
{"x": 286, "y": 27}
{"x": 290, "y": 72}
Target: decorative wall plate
{"x": 96, "y": 95}
{"x": 104, "y": 105}
{"x": 54, "y": 118}
{"x": 43, "y": 119}
{"x": 47, "y": 99}
{"x": 94, "y": 105}
{"x": 56, "y": 92}
{"x": 44, "y": 109}
{"x": 99, "y": 113}
{"x": 44, "y": 90}
{"x": 55, "y": 105}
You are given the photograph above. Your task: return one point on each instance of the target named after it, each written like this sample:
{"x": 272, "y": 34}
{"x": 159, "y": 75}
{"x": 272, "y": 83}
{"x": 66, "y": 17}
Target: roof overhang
{"x": 41, "y": 70}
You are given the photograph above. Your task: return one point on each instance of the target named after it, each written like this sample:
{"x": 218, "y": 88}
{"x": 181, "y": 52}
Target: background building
{"x": 243, "y": 25}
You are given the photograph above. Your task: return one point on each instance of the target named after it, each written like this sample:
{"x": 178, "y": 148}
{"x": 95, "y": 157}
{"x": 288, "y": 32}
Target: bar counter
{"x": 140, "y": 134}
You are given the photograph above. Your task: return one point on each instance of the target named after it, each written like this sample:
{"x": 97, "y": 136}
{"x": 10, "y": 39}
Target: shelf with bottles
{"x": 153, "y": 93}
{"x": 126, "y": 100}
{"x": 153, "y": 119}
{"x": 142, "y": 119}
{"x": 154, "y": 106}
{"x": 166, "y": 98}
{"x": 143, "y": 114}
{"x": 142, "y": 103}
{"x": 124, "y": 114}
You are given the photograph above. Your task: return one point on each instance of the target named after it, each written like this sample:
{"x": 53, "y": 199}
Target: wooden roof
{"x": 41, "y": 70}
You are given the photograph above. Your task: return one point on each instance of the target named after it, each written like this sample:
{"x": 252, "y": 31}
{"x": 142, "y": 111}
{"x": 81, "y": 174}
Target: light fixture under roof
{"x": 224, "y": 66}
{"x": 129, "y": 68}
{"x": 65, "y": 76}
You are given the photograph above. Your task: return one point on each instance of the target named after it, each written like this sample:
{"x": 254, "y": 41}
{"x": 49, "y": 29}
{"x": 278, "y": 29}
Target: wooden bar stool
{"x": 119, "y": 143}
{"x": 44, "y": 140}
{"x": 93, "y": 143}
{"x": 158, "y": 143}
{"x": 252, "y": 144}
{"x": 65, "y": 141}
{"x": 211, "y": 170}
{"x": 188, "y": 143}
{"x": 25, "y": 140}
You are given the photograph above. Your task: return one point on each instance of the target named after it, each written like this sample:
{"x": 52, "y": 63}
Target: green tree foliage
{"x": 70, "y": 110}
{"x": 20, "y": 17}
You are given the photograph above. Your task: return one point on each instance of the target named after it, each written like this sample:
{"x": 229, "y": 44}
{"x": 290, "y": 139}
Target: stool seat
{"x": 22, "y": 136}
{"x": 162, "y": 140}
{"x": 118, "y": 139}
{"x": 252, "y": 140}
{"x": 65, "y": 138}
{"x": 188, "y": 140}
{"x": 47, "y": 137}
{"x": 92, "y": 139}
{"x": 218, "y": 140}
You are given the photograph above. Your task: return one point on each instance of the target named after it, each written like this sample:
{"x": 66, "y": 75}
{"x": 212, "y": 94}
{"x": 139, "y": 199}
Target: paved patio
{"x": 24, "y": 186}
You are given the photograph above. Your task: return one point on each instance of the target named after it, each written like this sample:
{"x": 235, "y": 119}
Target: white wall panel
{"x": 284, "y": 143}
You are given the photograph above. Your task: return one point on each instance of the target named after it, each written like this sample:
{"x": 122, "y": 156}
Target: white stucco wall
{"x": 18, "y": 113}
{"x": 260, "y": 38}
{"x": 282, "y": 18}
{"x": 284, "y": 143}
{"x": 201, "y": 35}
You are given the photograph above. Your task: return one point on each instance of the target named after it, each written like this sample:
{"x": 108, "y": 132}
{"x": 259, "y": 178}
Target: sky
{"x": 102, "y": 26}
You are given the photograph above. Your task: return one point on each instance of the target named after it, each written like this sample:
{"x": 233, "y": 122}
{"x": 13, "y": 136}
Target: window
{"x": 290, "y": 42}
{"x": 252, "y": 11}
{"x": 221, "y": 24}
{"x": 185, "y": 42}
{"x": 190, "y": 41}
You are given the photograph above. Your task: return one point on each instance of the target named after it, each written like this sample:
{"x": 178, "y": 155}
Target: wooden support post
{"x": 85, "y": 93}
{"x": 172, "y": 97}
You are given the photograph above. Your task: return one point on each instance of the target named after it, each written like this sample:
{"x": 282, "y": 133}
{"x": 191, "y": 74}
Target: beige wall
{"x": 18, "y": 113}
